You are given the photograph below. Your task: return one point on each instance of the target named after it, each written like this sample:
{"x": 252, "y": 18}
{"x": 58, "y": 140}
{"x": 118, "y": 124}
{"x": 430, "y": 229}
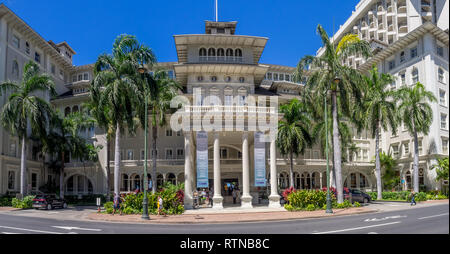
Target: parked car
{"x": 359, "y": 196}
{"x": 48, "y": 201}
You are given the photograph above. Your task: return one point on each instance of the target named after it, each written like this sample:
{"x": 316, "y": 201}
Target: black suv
{"x": 360, "y": 197}
{"x": 48, "y": 201}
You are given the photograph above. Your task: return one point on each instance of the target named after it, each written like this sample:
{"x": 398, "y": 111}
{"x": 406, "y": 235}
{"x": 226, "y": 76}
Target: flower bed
{"x": 310, "y": 200}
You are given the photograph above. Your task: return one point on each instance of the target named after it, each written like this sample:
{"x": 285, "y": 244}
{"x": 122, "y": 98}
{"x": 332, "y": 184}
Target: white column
{"x": 274, "y": 198}
{"x": 188, "y": 200}
{"x": 246, "y": 199}
{"x": 217, "y": 199}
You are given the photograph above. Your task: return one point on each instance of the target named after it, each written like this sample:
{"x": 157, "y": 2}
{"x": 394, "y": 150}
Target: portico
{"x": 230, "y": 157}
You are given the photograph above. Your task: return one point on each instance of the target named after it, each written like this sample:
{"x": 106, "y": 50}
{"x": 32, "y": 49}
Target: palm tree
{"x": 379, "y": 113}
{"x": 416, "y": 114}
{"x": 64, "y": 140}
{"x": 329, "y": 73}
{"x": 25, "y": 109}
{"x": 117, "y": 83}
{"x": 293, "y": 135}
{"x": 162, "y": 90}
{"x": 103, "y": 120}
{"x": 389, "y": 176}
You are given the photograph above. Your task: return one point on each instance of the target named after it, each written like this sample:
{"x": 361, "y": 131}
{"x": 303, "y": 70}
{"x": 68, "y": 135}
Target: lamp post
{"x": 145, "y": 215}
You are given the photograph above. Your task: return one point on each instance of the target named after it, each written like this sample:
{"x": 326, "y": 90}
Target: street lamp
{"x": 145, "y": 216}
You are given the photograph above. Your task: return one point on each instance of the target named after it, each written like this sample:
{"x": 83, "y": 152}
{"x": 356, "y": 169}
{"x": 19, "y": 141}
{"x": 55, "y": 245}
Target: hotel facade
{"x": 223, "y": 64}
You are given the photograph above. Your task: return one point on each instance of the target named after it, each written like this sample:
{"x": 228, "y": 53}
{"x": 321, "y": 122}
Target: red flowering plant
{"x": 286, "y": 193}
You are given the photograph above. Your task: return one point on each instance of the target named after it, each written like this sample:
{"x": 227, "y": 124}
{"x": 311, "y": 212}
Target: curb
{"x": 232, "y": 222}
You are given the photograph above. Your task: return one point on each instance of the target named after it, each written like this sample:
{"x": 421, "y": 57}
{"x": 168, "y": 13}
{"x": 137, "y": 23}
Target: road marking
{"x": 433, "y": 216}
{"x": 386, "y": 218}
{"x": 77, "y": 228}
{"x": 351, "y": 229}
{"x": 372, "y": 233}
{"x": 32, "y": 230}
{"x": 10, "y": 233}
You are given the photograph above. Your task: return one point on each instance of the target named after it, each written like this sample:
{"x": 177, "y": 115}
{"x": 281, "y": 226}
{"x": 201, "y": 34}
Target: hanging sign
{"x": 260, "y": 161}
{"x": 202, "y": 160}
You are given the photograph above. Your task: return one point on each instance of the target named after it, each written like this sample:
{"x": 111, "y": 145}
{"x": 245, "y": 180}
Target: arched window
{"x": 238, "y": 53}
{"x": 324, "y": 180}
{"x": 202, "y": 52}
{"x": 229, "y": 52}
{"x": 362, "y": 181}
{"x": 303, "y": 181}
{"x": 67, "y": 111}
{"x": 221, "y": 54}
{"x": 136, "y": 182}
{"x": 408, "y": 180}
{"x": 180, "y": 178}
{"x": 75, "y": 109}
{"x": 297, "y": 181}
{"x": 415, "y": 76}
{"x": 315, "y": 180}
{"x": 171, "y": 178}
{"x": 160, "y": 181}
{"x": 421, "y": 177}
{"x": 441, "y": 75}
{"x": 308, "y": 181}
{"x": 212, "y": 52}
{"x": 124, "y": 182}
{"x": 283, "y": 181}
{"x": 15, "y": 69}
{"x": 353, "y": 181}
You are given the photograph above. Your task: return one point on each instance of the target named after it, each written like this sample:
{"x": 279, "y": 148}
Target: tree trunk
{"x": 337, "y": 150}
{"x": 23, "y": 168}
{"x": 117, "y": 162}
{"x": 108, "y": 168}
{"x": 61, "y": 176}
{"x": 416, "y": 161}
{"x": 377, "y": 163}
{"x": 154, "y": 180}
{"x": 291, "y": 171}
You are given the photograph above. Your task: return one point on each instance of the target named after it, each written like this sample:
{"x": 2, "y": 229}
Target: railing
{"x": 221, "y": 59}
{"x": 230, "y": 109}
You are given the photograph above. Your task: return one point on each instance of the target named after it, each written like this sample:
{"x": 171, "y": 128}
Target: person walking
{"x": 117, "y": 202}
{"x": 413, "y": 200}
{"x": 234, "y": 196}
{"x": 160, "y": 206}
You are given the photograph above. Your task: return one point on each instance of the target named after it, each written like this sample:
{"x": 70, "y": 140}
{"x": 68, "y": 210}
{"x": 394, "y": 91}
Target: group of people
{"x": 204, "y": 196}
{"x": 118, "y": 200}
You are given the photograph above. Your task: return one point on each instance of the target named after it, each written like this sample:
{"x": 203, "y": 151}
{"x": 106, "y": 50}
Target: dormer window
{"x": 242, "y": 79}
{"x": 214, "y": 78}
{"x": 200, "y": 78}
{"x": 228, "y": 79}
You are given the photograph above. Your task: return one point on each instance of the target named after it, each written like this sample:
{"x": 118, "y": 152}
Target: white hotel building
{"x": 224, "y": 64}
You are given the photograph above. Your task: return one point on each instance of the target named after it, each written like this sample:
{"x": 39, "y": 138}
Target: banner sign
{"x": 202, "y": 160}
{"x": 260, "y": 160}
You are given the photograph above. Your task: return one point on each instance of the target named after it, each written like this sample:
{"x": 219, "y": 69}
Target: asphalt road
{"x": 424, "y": 220}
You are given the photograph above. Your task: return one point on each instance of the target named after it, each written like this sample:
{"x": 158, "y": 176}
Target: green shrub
{"x": 172, "y": 195}
{"x": 6, "y": 201}
{"x": 356, "y": 204}
{"x": 373, "y": 195}
{"x": 345, "y": 204}
{"x": 109, "y": 207}
{"x": 25, "y": 203}
{"x": 310, "y": 207}
{"x": 302, "y": 199}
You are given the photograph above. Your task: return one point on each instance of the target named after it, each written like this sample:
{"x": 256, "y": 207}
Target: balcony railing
{"x": 230, "y": 109}
{"x": 221, "y": 59}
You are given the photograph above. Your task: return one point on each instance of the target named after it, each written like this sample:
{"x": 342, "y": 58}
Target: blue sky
{"x": 90, "y": 26}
